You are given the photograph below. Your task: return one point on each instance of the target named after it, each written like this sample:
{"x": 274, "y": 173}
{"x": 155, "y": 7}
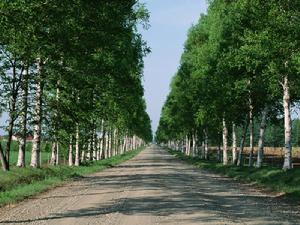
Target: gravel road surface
{"x": 154, "y": 188}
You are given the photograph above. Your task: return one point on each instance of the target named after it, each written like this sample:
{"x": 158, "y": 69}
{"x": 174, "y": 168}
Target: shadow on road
{"x": 173, "y": 188}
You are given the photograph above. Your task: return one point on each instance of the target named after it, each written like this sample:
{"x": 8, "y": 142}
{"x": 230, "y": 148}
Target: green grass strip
{"x": 19, "y": 184}
{"x": 275, "y": 179}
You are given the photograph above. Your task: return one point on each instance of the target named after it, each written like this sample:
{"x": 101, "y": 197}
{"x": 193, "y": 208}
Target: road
{"x": 154, "y": 188}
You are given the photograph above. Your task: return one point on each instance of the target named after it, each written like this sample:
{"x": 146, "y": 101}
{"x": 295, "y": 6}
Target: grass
{"x": 14, "y": 157}
{"x": 19, "y": 184}
{"x": 45, "y": 152}
{"x": 275, "y": 179}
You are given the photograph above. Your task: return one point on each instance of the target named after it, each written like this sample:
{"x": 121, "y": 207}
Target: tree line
{"x": 71, "y": 74}
{"x": 241, "y": 63}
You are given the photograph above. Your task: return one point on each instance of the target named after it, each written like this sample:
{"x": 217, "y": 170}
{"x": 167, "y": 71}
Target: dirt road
{"x": 152, "y": 189}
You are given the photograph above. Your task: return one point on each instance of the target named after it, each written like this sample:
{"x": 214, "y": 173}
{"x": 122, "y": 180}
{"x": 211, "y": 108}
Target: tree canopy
{"x": 241, "y": 61}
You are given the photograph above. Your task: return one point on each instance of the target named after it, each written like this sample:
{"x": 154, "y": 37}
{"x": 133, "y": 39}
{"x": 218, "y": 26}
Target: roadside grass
{"x": 45, "y": 152}
{"x": 45, "y": 156}
{"x": 19, "y": 184}
{"x": 275, "y": 179}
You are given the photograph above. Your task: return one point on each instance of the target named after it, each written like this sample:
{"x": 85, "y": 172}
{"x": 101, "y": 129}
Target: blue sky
{"x": 170, "y": 21}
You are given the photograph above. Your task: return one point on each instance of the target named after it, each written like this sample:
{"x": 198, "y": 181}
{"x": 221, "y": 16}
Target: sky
{"x": 170, "y": 21}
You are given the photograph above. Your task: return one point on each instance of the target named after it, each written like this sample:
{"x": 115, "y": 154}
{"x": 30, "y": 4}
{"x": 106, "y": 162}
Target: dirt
{"x": 154, "y": 188}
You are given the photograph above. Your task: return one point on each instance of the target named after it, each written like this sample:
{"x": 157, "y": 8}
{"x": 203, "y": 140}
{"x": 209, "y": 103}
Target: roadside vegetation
{"x": 233, "y": 102}
{"x": 17, "y": 184}
{"x": 71, "y": 82}
{"x": 238, "y": 85}
{"x": 272, "y": 178}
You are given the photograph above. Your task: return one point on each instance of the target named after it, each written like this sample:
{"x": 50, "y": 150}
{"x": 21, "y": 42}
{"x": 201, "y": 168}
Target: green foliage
{"x": 296, "y": 132}
{"x": 235, "y": 58}
{"x": 86, "y": 57}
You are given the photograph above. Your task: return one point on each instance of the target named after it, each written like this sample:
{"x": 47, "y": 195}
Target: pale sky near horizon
{"x": 170, "y": 21}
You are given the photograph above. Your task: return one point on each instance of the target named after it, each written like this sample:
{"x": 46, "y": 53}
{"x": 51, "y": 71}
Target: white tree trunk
{"x": 241, "y": 150}
{"x": 205, "y": 144}
{"x": 57, "y": 153}
{"x": 37, "y": 121}
{"x": 21, "y": 154}
{"x": 99, "y": 149}
{"x": 100, "y": 142}
{"x": 107, "y": 146}
{"x": 203, "y": 150}
{"x": 71, "y": 151}
{"x": 124, "y": 145}
{"x": 251, "y": 124}
{"x": 132, "y": 141}
{"x": 225, "y": 142}
{"x": 94, "y": 144}
{"x": 56, "y": 133}
{"x": 77, "y": 149}
{"x": 187, "y": 143}
{"x": 234, "y": 144}
{"x": 193, "y": 145}
{"x": 114, "y": 142}
{"x": 260, "y": 152}
{"x": 3, "y": 159}
{"x": 24, "y": 112}
{"x": 103, "y": 155}
{"x": 53, "y": 154}
{"x": 287, "y": 125}
{"x": 111, "y": 143}
{"x": 83, "y": 154}
{"x": 89, "y": 152}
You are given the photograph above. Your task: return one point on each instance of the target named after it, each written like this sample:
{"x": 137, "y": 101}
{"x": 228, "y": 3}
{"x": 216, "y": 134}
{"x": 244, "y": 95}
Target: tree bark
{"x": 37, "y": 122}
{"x": 134, "y": 143}
{"x": 57, "y": 153}
{"x": 114, "y": 142}
{"x": 193, "y": 145}
{"x": 260, "y": 152}
{"x": 241, "y": 150}
{"x": 83, "y": 154}
{"x": 53, "y": 154}
{"x": 3, "y": 159}
{"x": 124, "y": 144}
{"x": 94, "y": 143}
{"x": 104, "y": 143}
{"x": 202, "y": 150}
{"x": 56, "y": 116}
{"x": 107, "y": 148}
{"x": 205, "y": 144}
{"x": 70, "y": 158}
{"x": 287, "y": 125}
{"x": 12, "y": 114}
{"x": 102, "y": 140}
{"x": 111, "y": 143}
{"x": 225, "y": 142}
{"x": 89, "y": 150}
{"x": 251, "y": 124}
{"x": 99, "y": 150}
{"x": 234, "y": 144}
{"x": 24, "y": 113}
{"x": 77, "y": 149}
